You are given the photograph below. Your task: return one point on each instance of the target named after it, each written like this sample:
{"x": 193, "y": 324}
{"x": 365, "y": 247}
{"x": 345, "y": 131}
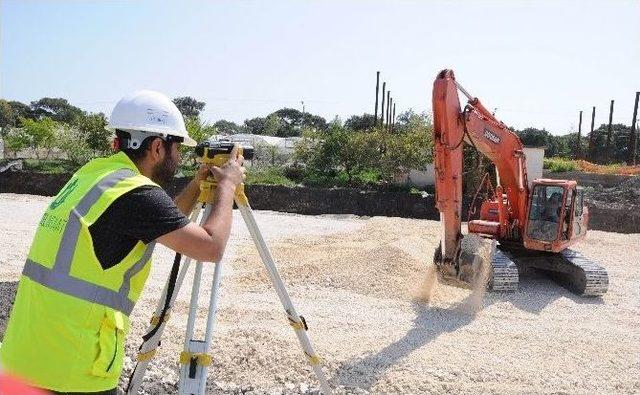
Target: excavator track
{"x": 505, "y": 273}
{"x": 569, "y": 268}
{"x": 583, "y": 276}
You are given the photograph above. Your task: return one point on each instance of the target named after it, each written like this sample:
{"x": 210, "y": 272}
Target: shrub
{"x": 558, "y": 165}
{"x": 268, "y": 176}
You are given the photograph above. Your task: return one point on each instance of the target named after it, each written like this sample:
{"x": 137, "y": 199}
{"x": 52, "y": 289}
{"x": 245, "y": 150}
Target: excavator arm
{"x": 477, "y": 126}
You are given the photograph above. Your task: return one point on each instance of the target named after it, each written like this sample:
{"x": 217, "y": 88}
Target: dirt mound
{"x": 625, "y": 195}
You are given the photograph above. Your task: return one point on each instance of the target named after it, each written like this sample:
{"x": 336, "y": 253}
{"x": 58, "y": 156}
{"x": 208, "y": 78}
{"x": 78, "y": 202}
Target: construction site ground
{"x": 357, "y": 280}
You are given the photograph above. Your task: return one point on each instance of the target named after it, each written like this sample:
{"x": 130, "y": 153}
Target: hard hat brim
{"x": 188, "y": 141}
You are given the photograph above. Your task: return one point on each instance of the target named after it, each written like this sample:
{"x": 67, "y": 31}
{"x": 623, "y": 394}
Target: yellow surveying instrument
{"x": 195, "y": 357}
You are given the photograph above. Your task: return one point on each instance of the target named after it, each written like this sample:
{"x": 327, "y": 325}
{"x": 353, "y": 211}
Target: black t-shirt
{"x": 142, "y": 214}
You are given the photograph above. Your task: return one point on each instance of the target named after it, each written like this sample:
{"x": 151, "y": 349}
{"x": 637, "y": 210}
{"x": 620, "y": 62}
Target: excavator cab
{"x": 556, "y": 215}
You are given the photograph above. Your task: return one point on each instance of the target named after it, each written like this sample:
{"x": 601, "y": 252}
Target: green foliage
{"x": 56, "y": 166}
{"x": 20, "y": 110}
{"x": 188, "y": 106}
{"x": 58, "y": 109}
{"x": 266, "y": 155}
{"x": 39, "y": 134}
{"x": 227, "y": 127}
{"x": 16, "y": 139}
{"x": 410, "y": 121}
{"x": 7, "y": 115}
{"x": 361, "y": 123}
{"x": 199, "y": 130}
{"x": 272, "y": 175}
{"x": 286, "y": 122}
{"x": 363, "y": 157}
{"x": 93, "y": 128}
{"x": 558, "y": 165}
{"x": 73, "y": 143}
{"x": 618, "y": 148}
{"x": 255, "y": 125}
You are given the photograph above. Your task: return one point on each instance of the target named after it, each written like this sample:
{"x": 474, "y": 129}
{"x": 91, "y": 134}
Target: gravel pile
{"x": 626, "y": 195}
{"x": 379, "y": 322}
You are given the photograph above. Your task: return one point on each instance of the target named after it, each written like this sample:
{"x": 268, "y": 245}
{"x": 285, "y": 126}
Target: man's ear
{"x": 156, "y": 149}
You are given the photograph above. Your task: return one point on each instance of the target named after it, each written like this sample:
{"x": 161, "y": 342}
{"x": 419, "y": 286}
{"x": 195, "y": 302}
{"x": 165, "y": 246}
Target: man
{"x": 91, "y": 253}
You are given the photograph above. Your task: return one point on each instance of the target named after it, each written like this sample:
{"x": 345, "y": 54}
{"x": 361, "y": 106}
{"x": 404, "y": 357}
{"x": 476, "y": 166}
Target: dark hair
{"x": 136, "y": 155}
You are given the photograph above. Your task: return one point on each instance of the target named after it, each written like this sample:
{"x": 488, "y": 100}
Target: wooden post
{"x": 631, "y": 160}
{"x": 579, "y": 147}
{"x": 591, "y": 154}
{"x": 375, "y": 114}
{"x": 393, "y": 122}
{"x": 390, "y": 116}
{"x": 607, "y": 149}
{"x": 384, "y": 86}
{"x": 388, "y": 105}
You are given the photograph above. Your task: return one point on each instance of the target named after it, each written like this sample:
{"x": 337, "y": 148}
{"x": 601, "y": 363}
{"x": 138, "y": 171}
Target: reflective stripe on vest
{"x": 59, "y": 278}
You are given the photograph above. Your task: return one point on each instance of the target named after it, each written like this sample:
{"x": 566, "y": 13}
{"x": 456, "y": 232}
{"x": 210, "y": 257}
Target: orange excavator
{"x": 533, "y": 225}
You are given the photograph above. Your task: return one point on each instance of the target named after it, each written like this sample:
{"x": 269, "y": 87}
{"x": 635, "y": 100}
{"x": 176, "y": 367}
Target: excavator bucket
{"x": 473, "y": 267}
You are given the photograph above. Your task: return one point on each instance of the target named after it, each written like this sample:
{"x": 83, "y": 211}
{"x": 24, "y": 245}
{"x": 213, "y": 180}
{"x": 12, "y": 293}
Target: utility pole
{"x": 375, "y": 114}
{"x": 302, "y": 122}
{"x": 607, "y": 152}
{"x": 631, "y": 160}
{"x": 579, "y": 147}
{"x": 388, "y": 105}
{"x": 384, "y": 86}
{"x": 390, "y": 117}
{"x": 393, "y": 122}
{"x": 591, "y": 154}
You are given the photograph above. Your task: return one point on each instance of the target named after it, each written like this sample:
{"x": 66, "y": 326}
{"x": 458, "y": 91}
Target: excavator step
{"x": 505, "y": 273}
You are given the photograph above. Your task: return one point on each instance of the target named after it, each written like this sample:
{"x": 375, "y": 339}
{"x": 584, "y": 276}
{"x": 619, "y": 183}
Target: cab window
{"x": 544, "y": 213}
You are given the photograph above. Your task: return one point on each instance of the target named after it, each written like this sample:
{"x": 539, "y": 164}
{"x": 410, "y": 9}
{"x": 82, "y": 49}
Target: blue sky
{"x": 537, "y": 62}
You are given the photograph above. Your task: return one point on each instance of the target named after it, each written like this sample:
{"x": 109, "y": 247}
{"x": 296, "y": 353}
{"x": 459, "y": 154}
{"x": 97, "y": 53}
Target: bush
{"x": 558, "y": 165}
{"x": 73, "y": 144}
{"x": 57, "y": 166}
{"x": 268, "y": 176}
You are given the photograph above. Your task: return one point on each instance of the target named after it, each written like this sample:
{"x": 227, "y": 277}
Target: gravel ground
{"x": 360, "y": 283}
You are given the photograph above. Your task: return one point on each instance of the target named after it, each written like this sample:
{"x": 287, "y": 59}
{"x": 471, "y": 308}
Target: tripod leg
{"x": 148, "y": 348}
{"x": 296, "y": 321}
{"x": 195, "y": 359}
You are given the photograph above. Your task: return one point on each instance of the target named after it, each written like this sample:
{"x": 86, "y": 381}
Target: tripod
{"x": 194, "y": 358}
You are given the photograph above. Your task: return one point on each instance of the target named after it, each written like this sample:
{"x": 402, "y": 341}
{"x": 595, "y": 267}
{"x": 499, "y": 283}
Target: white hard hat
{"x": 145, "y": 113}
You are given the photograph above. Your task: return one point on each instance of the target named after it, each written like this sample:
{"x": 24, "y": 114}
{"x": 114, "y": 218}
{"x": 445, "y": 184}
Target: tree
{"x": 199, "y": 130}
{"x": 7, "y": 121}
{"x": 188, "y": 106}
{"x": 410, "y": 121}
{"x": 73, "y": 143}
{"x": 21, "y": 110}
{"x": 7, "y": 115}
{"x": 40, "y": 134}
{"x": 256, "y": 125}
{"x": 57, "y": 109}
{"x": 362, "y": 122}
{"x": 228, "y": 127}
{"x": 619, "y": 149}
{"x": 93, "y": 129}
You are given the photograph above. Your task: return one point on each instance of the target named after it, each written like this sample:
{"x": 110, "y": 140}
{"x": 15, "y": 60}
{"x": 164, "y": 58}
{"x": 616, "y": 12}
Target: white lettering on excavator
{"x": 491, "y": 136}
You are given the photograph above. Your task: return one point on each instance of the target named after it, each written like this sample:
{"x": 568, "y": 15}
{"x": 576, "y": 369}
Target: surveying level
{"x": 195, "y": 357}
{"x": 219, "y": 151}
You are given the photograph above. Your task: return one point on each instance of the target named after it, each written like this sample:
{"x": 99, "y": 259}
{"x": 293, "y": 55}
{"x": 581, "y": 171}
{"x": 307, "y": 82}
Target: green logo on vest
{"x": 64, "y": 194}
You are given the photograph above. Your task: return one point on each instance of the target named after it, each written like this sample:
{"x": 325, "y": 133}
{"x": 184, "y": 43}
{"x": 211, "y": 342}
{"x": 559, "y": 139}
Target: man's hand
{"x": 231, "y": 172}
{"x": 207, "y": 243}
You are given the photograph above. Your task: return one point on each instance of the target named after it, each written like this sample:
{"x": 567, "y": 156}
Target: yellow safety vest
{"x": 70, "y": 317}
